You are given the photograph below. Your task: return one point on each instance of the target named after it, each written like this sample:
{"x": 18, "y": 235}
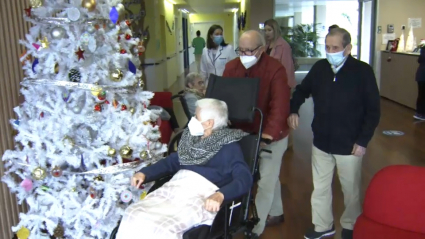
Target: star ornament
{"x": 80, "y": 54}
{"x": 45, "y": 43}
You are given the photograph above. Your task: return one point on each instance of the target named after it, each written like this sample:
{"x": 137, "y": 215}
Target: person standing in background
{"x": 346, "y": 113}
{"x": 199, "y": 44}
{"x": 420, "y": 78}
{"x": 216, "y": 55}
{"x": 279, "y": 49}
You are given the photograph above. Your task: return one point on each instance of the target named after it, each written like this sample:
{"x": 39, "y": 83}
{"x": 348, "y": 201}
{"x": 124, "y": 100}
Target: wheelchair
{"x": 237, "y": 215}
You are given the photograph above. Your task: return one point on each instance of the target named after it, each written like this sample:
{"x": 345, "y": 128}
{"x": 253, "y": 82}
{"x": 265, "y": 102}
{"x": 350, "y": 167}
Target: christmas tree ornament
{"x": 114, "y": 15}
{"x": 77, "y": 109}
{"x": 112, "y": 152}
{"x": 34, "y": 64}
{"x": 131, "y": 67}
{"x": 126, "y": 151}
{"x": 111, "y": 25}
{"x": 73, "y": 189}
{"x": 90, "y": 5}
{"x": 145, "y": 122}
{"x": 128, "y": 22}
{"x": 99, "y": 178}
{"x": 116, "y": 75}
{"x": 24, "y": 59}
{"x": 91, "y": 29}
{"x": 44, "y": 188}
{"x": 127, "y": 36}
{"x": 56, "y": 172}
{"x": 65, "y": 95}
{"x": 42, "y": 115}
{"x": 144, "y": 154}
{"x": 92, "y": 193}
{"x": 121, "y": 10}
{"x": 123, "y": 51}
{"x": 132, "y": 110}
{"x": 126, "y": 196}
{"x": 115, "y": 103}
{"x": 102, "y": 95}
{"x": 57, "y": 32}
{"x": 143, "y": 195}
{"x": 95, "y": 90}
{"x": 85, "y": 38}
{"x": 68, "y": 141}
{"x": 56, "y": 68}
{"x": 59, "y": 231}
{"x": 23, "y": 233}
{"x": 36, "y": 46}
{"x": 119, "y": 38}
{"x": 26, "y": 184}
{"x": 123, "y": 107}
{"x": 39, "y": 173}
{"x": 36, "y": 3}
{"x": 80, "y": 54}
{"x": 74, "y": 75}
{"x": 98, "y": 108}
{"x": 73, "y": 14}
{"x": 28, "y": 11}
{"x": 45, "y": 43}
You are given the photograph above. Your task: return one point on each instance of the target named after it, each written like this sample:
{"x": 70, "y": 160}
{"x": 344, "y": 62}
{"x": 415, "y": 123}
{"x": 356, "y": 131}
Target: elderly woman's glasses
{"x": 241, "y": 52}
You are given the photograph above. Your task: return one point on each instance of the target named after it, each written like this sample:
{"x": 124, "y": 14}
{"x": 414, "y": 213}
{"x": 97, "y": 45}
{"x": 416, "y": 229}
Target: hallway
{"x": 296, "y": 178}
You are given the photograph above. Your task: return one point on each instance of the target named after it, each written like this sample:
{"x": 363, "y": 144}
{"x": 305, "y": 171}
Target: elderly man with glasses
{"x": 273, "y": 100}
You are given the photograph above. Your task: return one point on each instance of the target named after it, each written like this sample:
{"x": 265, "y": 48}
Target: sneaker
{"x": 419, "y": 116}
{"x": 318, "y": 235}
{"x": 347, "y": 234}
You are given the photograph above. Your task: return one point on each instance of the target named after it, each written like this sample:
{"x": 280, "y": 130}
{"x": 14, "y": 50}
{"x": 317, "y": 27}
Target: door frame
{"x": 372, "y": 33}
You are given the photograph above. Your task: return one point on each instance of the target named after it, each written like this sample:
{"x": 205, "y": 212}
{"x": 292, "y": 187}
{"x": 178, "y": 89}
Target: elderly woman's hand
{"x": 214, "y": 202}
{"x": 137, "y": 179}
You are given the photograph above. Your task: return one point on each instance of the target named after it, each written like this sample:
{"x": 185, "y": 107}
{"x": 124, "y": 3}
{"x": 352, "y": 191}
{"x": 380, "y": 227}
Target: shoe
{"x": 274, "y": 221}
{"x": 318, "y": 235}
{"x": 347, "y": 234}
{"x": 419, "y": 116}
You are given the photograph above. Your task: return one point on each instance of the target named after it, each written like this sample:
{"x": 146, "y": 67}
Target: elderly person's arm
{"x": 167, "y": 166}
{"x": 242, "y": 177}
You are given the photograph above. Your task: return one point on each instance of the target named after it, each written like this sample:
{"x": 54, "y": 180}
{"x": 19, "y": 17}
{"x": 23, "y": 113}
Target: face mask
{"x": 195, "y": 127}
{"x": 218, "y": 40}
{"x": 336, "y": 58}
{"x": 248, "y": 61}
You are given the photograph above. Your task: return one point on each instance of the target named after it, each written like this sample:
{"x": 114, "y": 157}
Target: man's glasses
{"x": 246, "y": 52}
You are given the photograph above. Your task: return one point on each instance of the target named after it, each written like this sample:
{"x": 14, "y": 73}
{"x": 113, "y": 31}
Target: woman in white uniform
{"x": 217, "y": 53}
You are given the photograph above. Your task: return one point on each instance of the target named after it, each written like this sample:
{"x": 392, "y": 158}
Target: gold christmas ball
{"x": 132, "y": 110}
{"x": 126, "y": 151}
{"x": 144, "y": 154}
{"x": 23, "y": 233}
{"x": 98, "y": 178}
{"x": 121, "y": 11}
{"x": 95, "y": 90}
{"x": 89, "y": 4}
{"x": 116, "y": 75}
{"x": 111, "y": 152}
{"x": 56, "y": 68}
{"x": 36, "y": 3}
{"x": 39, "y": 173}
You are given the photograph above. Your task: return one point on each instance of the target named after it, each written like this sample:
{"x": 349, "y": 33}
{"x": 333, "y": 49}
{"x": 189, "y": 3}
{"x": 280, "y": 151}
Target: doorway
{"x": 367, "y": 23}
{"x": 185, "y": 43}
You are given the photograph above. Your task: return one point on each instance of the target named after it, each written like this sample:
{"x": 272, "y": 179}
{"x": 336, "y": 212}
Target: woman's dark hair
{"x": 210, "y": 42}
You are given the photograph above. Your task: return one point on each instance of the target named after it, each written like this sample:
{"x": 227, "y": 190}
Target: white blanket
{"x": 171, "y": 210}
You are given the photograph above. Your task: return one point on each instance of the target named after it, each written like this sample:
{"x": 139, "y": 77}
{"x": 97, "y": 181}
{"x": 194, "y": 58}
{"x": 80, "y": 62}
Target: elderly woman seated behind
{"x": 209, "y": 168}
{"x": 195, "y": 87}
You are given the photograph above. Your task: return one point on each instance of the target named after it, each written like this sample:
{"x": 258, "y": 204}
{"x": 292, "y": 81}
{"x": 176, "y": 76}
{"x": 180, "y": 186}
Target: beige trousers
{"x": 198, "y": 62}
{"x": 268, "y": 200}
{"x": 349, "y": 173}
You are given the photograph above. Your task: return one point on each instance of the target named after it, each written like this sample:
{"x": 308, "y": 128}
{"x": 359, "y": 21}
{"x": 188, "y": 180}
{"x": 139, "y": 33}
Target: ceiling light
{"x": 235, "y": 9}
{"x": 184, "y": 10}
{"x": 171, "y": 1}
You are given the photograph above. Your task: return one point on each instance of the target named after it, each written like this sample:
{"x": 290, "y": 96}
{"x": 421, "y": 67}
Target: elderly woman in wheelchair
{"x": 208, "y": 168}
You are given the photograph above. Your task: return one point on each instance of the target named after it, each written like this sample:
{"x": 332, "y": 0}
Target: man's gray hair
{"x": 213, "y": 109}
{"x": 261, "y": 41}
{"x": 346, "y": 37}
{"x": 190, "y": 78}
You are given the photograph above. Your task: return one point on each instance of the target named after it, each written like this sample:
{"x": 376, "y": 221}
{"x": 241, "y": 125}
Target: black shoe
{"x": 318, "y": 235}
{"x": 347, "y": 234}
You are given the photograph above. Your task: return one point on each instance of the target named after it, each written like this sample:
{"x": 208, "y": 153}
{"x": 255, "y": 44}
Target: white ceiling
{"x": 288, "y": 7}
{"x": 208, "y": 6}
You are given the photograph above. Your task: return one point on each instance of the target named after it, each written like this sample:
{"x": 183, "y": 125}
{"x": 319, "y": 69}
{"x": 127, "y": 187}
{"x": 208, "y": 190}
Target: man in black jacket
{"x": 346, "y": 113}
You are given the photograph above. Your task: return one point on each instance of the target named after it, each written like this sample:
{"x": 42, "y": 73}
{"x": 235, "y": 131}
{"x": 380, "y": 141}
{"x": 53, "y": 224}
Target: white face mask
{"x": 248, "y": 61}
{"x": 336, "y": 58}
{"x": 195, "y": 127}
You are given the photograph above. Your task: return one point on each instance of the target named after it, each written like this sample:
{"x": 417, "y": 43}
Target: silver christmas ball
{"x": 77, "y": 109}
{"x": 58, "y": 33}
{"x": 91, "y": 29}
{"x": 111, "y": 25}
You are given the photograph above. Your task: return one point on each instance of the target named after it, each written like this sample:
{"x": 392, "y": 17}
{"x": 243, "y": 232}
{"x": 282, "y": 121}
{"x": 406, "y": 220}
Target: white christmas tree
{"x": 84, "y": 127}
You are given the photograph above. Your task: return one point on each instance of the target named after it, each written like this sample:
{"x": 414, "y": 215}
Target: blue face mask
{"x": 218, "y": 39}
{"x": 336, "y": 58}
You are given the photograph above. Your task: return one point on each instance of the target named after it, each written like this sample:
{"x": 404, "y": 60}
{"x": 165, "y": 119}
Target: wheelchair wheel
{"x": 172, "y": 146}
{"x": 114, "y": 233}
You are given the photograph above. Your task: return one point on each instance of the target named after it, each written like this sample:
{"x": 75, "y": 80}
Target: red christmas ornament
{"x": 123, "y": 51}
{"x": 119, "y": 38}
{"x": 56, "y": 172}
{"x": 123, "y": 107}
{"x": 42, "y": 115}
{"x": 102, "y": 95}
{"x": 127, "y": 36}
{"x": 97, "y": 108}
{"x": 80, "y": 54}
{"x": 106, "y": 102}
{"x": 127, "y": 22}
{"x": 28, "y": 11}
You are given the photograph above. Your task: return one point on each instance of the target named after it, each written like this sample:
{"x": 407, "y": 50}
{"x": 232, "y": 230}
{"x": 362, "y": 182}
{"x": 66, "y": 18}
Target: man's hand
{"x": 293, "y": 121}
{"x": 214, "y": 202}
{"x": 265, "y": 136}
{"x": 358, "y": 150}
{"x": 137, "y": 179}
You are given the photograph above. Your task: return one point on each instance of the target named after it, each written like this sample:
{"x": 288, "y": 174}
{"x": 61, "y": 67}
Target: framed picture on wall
{"x": 392, "y": 45}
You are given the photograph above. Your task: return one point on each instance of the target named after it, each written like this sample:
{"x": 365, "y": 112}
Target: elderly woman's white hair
{"x": 213, "y": 109}
{"x": 190, "y": 78}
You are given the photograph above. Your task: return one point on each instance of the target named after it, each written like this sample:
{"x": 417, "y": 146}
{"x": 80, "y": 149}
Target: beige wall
{"x": 262, "y": 10}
